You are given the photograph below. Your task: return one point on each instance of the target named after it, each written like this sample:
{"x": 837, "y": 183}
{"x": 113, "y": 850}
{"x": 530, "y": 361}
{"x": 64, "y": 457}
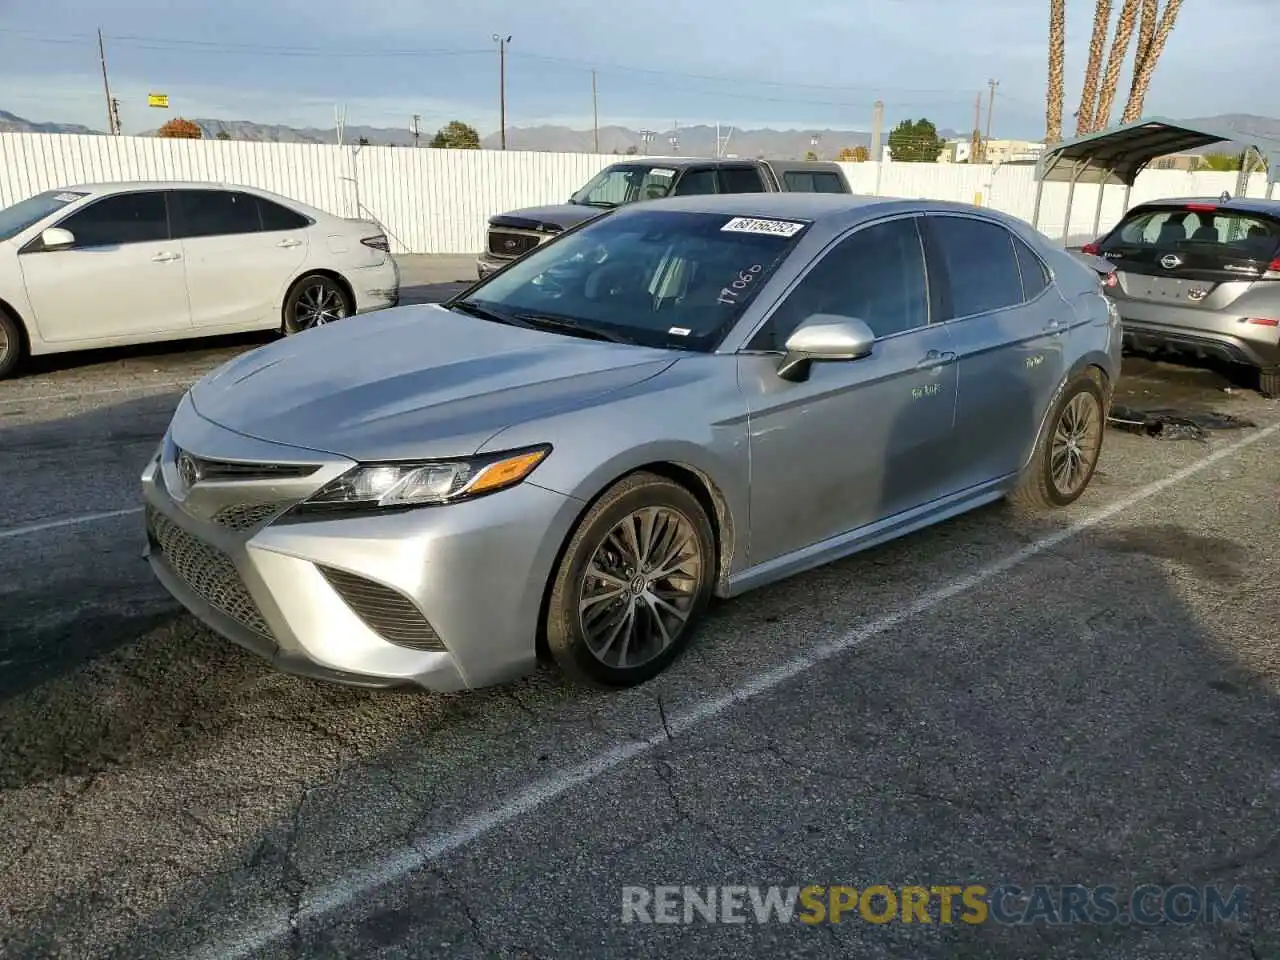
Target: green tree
{"x": 1222, "y": 161}
{"x": 456, "y": 135}
{"x": 223, "y": 135}
{"x": 915, "y": 141}
{"x": 810, "y": 155}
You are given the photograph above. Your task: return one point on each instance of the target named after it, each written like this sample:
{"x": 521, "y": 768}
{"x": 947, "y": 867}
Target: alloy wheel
{"x": 1075, "y": 444}
{"x": 317, "y": 305}
{"x": 640, "y": 587}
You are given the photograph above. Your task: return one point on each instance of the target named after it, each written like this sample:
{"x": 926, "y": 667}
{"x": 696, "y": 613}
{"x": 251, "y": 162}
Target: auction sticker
{"x": 68, "y": 197}
{"x": 772, "y": 228}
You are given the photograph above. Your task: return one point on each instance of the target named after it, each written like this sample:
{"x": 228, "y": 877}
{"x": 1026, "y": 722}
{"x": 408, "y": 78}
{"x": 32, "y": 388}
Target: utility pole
{"x": 115, "y": 115}
{"x": 112, "y": 127}
{"x": 646, "y": 138}
{"x": 502, "y": 86}
{"x": 674, "y": 139}
{"x": 416, "y": 129}
{"x": 991, "y": 100}
{"x": 877, "y": 122}
{"x": 595, "y": 111}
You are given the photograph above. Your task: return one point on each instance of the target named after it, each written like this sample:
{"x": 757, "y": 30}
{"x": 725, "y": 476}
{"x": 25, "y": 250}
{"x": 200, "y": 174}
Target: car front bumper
{"x": 321, "y": 598}
{"x": 487, "y": 264}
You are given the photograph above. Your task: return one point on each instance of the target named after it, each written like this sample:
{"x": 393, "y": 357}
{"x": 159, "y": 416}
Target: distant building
{"x": 1013, "y": 151}
{"x": 1177, "y": 161}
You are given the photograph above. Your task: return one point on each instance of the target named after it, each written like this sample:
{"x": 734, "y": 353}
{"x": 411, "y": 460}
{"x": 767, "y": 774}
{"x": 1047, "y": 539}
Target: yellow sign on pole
{"x": 158, "y": 100}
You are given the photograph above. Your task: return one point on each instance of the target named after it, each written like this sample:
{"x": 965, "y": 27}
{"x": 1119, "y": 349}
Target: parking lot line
{"x": 399, "y": 864}
{"x": 77, "y": 394}
{"x": 43, "y": 525}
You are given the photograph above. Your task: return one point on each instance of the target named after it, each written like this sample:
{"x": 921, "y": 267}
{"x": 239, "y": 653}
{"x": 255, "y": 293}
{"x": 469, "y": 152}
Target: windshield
{"x": 626, "y": 183}
{"x": 15, "y": 219}
{"x": 655, "y": 277}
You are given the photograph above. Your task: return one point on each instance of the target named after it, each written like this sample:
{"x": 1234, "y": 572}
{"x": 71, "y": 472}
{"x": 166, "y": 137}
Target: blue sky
{"x": 807, "y": 64}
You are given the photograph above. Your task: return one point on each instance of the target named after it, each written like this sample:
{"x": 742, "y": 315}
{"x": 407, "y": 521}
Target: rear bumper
{"x": 1250, "y": 351}
{"x": 376, "y": 287}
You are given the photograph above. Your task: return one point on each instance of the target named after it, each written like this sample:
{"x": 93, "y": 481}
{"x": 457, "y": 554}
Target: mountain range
{"x": 699, "y": 140}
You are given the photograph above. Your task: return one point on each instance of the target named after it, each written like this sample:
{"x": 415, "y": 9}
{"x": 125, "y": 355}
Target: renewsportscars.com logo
{"x": 1006, "y": 904}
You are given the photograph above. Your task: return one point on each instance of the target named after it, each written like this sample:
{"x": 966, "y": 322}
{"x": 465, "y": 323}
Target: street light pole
{"x": 502, "y": 86}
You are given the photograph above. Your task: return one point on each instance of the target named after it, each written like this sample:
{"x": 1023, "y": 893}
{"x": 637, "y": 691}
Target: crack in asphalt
{"x": 292, "y": 880}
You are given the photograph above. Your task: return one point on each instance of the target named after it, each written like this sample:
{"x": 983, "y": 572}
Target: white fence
{"x": 437, "y": 201}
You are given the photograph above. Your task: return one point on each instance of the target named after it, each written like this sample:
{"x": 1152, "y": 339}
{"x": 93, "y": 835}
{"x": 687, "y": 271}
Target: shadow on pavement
{"x": 1073, "y": 721}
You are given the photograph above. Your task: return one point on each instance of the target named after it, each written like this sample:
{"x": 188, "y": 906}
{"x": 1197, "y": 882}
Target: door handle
{"x": 935, "y": 359}
{"x": 289, "y": 243}
{"x": 166, "y": 257}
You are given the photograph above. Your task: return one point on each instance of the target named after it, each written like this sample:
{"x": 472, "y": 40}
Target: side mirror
{"x": 825, "y": 336}
{"x": 55, "y": 238}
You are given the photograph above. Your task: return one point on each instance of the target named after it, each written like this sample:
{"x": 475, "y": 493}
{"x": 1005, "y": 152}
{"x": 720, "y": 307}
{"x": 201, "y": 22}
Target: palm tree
{"x": 1111, "y": 76}
{"x": 1097, "y": 46}
{"x": 1057, "y": 59}
{"x": 1150, "y": 56}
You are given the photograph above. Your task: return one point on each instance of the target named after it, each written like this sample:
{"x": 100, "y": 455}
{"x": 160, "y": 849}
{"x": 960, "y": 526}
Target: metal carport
{"x": 1117, "y": 155}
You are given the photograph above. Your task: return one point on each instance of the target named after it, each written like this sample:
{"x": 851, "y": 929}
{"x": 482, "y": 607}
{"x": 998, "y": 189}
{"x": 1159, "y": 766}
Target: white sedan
{"x": 109, "y": 264}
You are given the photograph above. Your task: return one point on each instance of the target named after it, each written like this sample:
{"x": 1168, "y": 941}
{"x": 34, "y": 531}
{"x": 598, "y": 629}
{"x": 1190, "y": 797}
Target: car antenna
{"x": 1225, "y": 197}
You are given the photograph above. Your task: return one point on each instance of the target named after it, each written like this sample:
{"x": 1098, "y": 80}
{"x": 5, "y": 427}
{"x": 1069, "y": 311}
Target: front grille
{"x": 207, "y": 571}
{"x": 504, "y": 243}
{"x": 386, "y": 612}
{"x": 246, "y": 516}
{"x": 223, "y": 470}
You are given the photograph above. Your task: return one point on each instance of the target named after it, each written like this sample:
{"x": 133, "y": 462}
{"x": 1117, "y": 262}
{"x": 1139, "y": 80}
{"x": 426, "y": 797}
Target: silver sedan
{"x": 678, "y": 399}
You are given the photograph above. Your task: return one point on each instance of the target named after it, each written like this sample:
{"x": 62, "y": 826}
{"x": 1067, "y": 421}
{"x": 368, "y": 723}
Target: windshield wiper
{"x": 485, "y": 313}
{"x": 574, "y": 327}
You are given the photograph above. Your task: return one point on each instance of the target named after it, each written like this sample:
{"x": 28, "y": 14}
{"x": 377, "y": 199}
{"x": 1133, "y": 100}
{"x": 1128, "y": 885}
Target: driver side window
{"x": 876, "y": 275}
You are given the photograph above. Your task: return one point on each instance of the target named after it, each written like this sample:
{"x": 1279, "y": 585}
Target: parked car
{"x": 679, "y": 399}
{"x": 102, "y": 265}
{"x": 1200, "y": 276}
{"x": 514, "y": 234}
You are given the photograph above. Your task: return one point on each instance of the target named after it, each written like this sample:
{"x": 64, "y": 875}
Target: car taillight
{"x": 1262, "y": 321}
{"x": 378, "y": 242}
{"x": 1090, "y": 248}
{"x": 1201, "y": 207}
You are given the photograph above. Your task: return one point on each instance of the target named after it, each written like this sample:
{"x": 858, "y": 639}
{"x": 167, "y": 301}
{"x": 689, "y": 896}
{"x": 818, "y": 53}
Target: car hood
{"x": 413, "y": 382}
{"x": 560, "y": 216}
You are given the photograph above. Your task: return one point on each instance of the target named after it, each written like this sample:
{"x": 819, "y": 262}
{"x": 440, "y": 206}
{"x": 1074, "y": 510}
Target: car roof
{"x": 123, "y": 186}
{"x": 832, "y": 209}
{"x": 1239, "y": 204}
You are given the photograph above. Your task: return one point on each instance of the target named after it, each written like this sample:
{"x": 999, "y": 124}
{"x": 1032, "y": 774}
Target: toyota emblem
{"x": 1169, "y": 261}
{"x": 187, "y": 470}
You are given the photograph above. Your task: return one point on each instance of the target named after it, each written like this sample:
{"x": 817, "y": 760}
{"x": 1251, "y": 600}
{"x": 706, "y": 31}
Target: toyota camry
{"x": 681, "y": 398}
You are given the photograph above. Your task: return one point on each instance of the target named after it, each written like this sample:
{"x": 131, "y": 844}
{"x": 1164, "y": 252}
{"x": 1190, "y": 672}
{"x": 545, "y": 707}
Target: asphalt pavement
{"x": 1087, "y": 697}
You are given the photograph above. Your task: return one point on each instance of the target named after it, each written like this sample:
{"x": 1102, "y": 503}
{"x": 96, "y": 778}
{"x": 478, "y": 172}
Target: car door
{"x": 237, "y": 269}
{"x": 1008, "y": 324}
{"x": 122, "y": 278}
{"x": 740, "y": 178}
{"x": 695, "y": 181}
{"x": 858, "y": 440}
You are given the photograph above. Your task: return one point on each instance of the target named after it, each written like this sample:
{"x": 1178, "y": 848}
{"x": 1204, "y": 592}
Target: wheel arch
{"x": 24, "y": 335}
{"x": 1087, "y": 366}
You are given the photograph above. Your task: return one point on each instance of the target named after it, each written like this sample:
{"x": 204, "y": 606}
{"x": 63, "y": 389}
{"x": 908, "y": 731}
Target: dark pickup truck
{"x": 514, "y": 234}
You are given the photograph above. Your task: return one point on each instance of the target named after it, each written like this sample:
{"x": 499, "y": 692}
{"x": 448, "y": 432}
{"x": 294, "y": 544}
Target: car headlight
{"x": 426, "y": 482}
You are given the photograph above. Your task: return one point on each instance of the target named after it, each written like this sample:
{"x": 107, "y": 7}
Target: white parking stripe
{"x": 30, "y": 528}
{"x": 401, "y": 863}
{"x": 77, "y": 394}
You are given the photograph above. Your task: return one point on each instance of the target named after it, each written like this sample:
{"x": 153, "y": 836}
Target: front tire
{"x": 315, "y": 300}
{"x": 12, "y": 345}
{"x": 1068, "y": 449}
{"x": 633, "y": 583}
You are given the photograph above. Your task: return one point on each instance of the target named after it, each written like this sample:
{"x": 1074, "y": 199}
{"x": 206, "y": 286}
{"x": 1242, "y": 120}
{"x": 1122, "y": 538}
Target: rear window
{"x": 805, "y": 181}
{"x": 1231, "y": 233}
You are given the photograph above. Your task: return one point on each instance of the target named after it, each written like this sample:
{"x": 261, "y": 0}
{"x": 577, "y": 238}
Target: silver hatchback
{"x": 677, "y": 399}
{"x": 1200, "y": 277}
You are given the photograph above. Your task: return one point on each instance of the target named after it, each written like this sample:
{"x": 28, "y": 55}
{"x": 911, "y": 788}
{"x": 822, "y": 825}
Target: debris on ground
{"x": 1169, "y": 424}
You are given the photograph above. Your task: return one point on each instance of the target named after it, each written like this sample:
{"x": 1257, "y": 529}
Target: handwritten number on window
{"x": 729, "y": 295}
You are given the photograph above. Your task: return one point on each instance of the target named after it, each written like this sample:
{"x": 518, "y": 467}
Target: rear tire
{"x": 1269, "y": 382}
{"x": 633, "y": 583}
{"x": 1068, "y": 449}
{"x": 12, "y": 345}
{"x": 315, "y": 300}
